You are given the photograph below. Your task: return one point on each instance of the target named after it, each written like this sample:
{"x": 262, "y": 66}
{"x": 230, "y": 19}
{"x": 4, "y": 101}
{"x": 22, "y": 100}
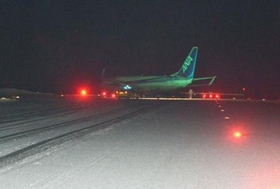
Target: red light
{"x": 204, "y": 96}
{"x": 237, "y": 134}
{"x": 210, "y": 96}
{"x": 217, "y": 96}
{"x": 113, "y": 95}
{"x": 83, "y": 92}
{"x": 104, "y": 93}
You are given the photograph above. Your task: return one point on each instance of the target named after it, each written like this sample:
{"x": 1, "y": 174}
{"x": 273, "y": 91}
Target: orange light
{"x": 83, "y": 92}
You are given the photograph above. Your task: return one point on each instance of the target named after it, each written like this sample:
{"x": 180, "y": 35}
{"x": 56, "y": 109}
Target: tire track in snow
{"x": 48, "y": 143}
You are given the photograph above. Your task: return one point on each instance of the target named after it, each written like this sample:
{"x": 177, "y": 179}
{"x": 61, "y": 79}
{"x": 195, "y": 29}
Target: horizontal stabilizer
{"x": 202, "y": 81}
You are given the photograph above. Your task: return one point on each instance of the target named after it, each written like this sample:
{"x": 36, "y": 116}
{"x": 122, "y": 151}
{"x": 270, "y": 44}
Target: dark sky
{"x": 57, "y": 45}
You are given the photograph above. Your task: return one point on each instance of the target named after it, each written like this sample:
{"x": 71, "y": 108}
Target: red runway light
{"x": 104, "y": 93}
{"x": 237, "y": 134}
{"x": 83, "y": 92}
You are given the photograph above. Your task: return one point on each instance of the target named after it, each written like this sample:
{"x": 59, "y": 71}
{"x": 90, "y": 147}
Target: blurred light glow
{"x": 104, "y": 93}
{"x": 237, "y": 134}
{"x": 83, "y": 92}
{"x": 127, "y": 87}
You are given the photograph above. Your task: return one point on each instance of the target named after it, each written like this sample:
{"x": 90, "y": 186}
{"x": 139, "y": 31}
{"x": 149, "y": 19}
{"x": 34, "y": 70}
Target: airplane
{"x": 156, "y": 85}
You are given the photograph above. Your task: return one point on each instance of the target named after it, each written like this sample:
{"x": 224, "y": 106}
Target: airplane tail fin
{"x": 188, "y": 67}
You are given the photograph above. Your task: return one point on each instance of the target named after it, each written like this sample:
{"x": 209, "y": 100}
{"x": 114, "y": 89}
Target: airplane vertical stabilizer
{"x": 188, "y": 67}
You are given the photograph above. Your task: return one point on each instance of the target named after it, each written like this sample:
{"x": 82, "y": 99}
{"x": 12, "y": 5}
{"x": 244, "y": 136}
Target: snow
{"x": 181, "y": 144}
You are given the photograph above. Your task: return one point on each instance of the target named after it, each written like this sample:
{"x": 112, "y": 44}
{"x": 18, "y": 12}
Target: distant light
{"x": 62, "y": 95}
{"x": 127, "y": 87}
{"x": 263, "y": 99}
{"x": 104, "y": 93}
{"x": 217, "y": 96}
{"x": 113, "y": 95}
{"x": 222, "y": 110}
{"x": 210, "y": 96}
{"x": 243, "y": 89}
{"x": 226, "y": 117}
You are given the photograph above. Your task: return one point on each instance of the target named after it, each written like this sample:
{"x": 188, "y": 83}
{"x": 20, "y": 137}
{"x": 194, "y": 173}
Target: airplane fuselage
{"x": 151, "y": 84}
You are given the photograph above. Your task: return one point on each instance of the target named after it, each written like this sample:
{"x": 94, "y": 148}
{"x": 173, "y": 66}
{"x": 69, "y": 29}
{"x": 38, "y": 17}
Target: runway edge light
{"x": 83, "y": 92}
{"x": 237, "y": 134}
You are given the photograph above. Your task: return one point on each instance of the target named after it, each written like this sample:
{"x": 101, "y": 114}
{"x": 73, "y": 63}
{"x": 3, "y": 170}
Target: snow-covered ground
{"x": 171, "y": 144}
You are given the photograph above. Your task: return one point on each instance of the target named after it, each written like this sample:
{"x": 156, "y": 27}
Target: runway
{"x": 139, "y": 143}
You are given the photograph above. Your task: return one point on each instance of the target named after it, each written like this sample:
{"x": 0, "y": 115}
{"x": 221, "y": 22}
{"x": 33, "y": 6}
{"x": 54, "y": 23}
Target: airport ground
{"x": 74, "y": 142}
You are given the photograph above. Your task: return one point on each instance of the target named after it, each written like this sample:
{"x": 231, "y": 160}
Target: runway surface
{"x": 73, "y": 142}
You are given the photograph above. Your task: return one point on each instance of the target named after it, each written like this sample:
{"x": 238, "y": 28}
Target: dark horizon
{"x": 57, "y": 46}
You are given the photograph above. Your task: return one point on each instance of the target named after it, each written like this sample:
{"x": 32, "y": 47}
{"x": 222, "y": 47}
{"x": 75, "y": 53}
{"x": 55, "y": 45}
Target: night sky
{"x": 58, "y": 45}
